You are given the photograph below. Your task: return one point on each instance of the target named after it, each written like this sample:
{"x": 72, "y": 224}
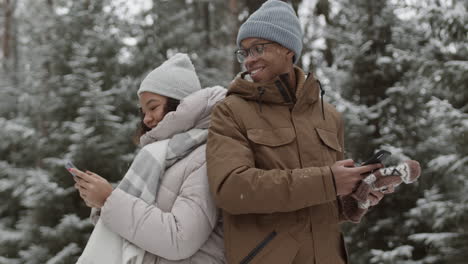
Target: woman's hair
{"x": 171, "y": 106}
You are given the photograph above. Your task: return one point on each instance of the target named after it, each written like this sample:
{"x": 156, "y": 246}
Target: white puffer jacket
{"x": 184, "y": 225}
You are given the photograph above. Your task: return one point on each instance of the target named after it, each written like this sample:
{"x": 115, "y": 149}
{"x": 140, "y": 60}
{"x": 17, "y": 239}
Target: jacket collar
{"x": 276, "y": 91}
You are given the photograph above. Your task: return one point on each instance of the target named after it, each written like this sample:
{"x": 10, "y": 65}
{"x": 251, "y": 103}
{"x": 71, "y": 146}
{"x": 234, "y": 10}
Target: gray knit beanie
{"x": 276, "y": 21}
{"x": 175, "y": 78}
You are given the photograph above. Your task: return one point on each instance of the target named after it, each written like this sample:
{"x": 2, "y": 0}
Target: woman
{"x": 162, "y": 208}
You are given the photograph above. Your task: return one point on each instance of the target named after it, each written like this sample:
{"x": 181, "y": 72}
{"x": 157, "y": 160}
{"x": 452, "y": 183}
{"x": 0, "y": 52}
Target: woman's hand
{"x": 375, "y": 197}
{"x": 93, "y": 189}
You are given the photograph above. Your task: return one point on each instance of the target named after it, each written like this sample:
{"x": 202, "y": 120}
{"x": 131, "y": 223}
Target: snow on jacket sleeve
{"x": 173, "y": 235}
{"x": 241, "y": 188}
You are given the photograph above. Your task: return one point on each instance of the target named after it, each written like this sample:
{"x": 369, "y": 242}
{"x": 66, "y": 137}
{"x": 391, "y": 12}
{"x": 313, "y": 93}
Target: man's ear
{"x": 290, "y": 54}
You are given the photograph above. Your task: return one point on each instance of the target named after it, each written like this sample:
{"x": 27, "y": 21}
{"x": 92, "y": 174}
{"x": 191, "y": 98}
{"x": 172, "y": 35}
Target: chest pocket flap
{"x": 329, "y": 138}
{"x": 271, "y": 137}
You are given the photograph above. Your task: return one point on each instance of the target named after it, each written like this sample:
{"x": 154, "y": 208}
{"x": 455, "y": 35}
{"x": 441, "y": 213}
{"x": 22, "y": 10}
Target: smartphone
{"x": 378, "y": 157}
{"x": 69, "y": 165}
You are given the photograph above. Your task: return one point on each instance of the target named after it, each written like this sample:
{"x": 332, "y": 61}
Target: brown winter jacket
{"x": 268, "y": 161}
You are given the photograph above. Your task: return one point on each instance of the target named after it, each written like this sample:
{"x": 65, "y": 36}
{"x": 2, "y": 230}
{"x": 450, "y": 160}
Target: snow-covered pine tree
{"x": 431, "y": 102}
{"x": 17, "y": 134}
{"x": 63, "y": 108}
{"x": 80, "y": 69}
{"x": 408, "y": 96}
{"x": 198, "y": 28}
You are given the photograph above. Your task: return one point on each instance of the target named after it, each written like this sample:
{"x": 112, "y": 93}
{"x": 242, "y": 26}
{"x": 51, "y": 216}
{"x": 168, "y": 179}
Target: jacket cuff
{"x": 329, "y": 183}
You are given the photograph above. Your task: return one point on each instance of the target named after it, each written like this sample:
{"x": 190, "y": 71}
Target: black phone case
{"x": 378, "y": 157}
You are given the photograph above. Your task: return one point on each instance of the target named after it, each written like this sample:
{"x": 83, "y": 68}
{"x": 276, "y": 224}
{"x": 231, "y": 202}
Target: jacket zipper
{"x": 295, "y": 132}
{"x": 258, "y": 248}
{"x": 287, "y": 98}
{"x": 322, "y": 93}
{"x": 297, "y": 143}
{"x": 285, "y": 80}
{"x": 283, "y": 92}
{"x": 261, "y": 92}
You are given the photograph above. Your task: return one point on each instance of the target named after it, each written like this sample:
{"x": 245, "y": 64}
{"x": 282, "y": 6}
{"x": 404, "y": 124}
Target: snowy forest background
{"x": 397, "y": 69}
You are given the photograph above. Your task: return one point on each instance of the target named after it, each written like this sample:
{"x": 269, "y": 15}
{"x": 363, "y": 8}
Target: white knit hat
{"x": 175, "y": 78}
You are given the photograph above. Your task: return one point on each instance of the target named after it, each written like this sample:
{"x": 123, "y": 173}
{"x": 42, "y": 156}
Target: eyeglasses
{"x": 254, "y": 51}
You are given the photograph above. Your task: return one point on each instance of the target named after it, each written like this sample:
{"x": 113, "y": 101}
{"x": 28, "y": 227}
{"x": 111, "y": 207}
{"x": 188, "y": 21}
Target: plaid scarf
{"x": 143, "y": 178}
{"x": 145, "y": 173}
{"x": 142, "y": 181}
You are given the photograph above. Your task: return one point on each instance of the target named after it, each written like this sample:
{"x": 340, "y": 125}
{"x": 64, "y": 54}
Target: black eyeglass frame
{"x": 248, "y": 52}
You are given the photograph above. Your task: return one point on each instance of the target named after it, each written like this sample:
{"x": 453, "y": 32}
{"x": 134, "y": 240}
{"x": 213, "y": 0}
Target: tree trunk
{"x": 7, "y": 31}
{"x": 207, "y": 23}
{"x": 253, "y": 5}
{"x": 207, "y": 30}
{"x": 295, "y": 4}
{"x": 234, "y": 8}
{"x": 14, "y": 54}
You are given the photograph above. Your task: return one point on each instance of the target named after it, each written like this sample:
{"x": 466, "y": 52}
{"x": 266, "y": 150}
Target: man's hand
{"x": 93, "y": 189}
{"x": 347, "y": 176}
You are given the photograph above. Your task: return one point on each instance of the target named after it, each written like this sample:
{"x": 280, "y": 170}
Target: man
{"x": 274, "y": 154}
